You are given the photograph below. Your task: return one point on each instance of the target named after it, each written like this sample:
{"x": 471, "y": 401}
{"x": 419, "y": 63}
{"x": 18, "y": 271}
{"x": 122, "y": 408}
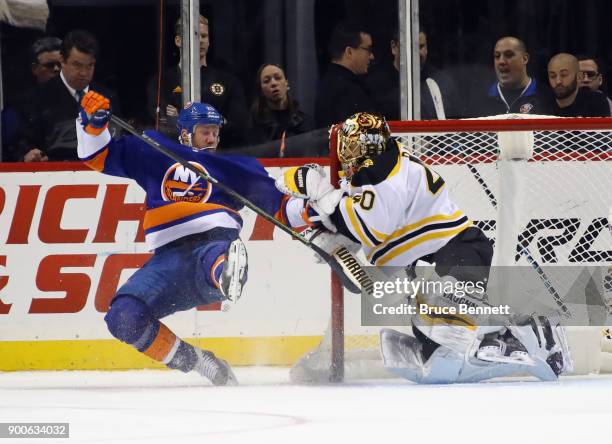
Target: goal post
{"x": 547, "y": 204}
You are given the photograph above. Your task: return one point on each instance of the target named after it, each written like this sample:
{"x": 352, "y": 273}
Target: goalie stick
{"x": 524, "y": 251}
{"x": 341, "y": 260}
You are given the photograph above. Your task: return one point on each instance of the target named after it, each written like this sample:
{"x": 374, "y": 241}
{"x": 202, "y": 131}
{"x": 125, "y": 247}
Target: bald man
{"x": 514, "y": 91}
{"x": 570, "y": 100}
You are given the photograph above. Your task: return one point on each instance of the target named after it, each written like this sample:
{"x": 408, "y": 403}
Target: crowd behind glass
{"x": 263, "y": 118}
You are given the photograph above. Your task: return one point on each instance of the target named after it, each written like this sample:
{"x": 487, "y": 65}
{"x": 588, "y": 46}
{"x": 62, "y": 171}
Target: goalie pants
{"x": 466, "y": 257}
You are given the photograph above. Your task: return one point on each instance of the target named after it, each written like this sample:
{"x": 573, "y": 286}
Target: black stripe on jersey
{"x": 413, "y": 234}
{"x": 364, "y": 227}
{"x": 340, "y": 224}
{"x": 380, "y": 168}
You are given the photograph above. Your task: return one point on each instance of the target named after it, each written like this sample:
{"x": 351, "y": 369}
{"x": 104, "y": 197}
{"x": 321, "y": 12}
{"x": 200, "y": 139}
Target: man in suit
{"x": 343, "y": 91}
{"x": 49, "y": 132}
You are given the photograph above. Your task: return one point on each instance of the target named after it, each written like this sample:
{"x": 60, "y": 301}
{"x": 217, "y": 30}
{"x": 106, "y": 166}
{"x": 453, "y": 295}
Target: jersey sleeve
{"x": 116, "y": 157}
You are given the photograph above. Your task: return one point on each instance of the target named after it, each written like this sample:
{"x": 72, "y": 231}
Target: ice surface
{"x": 169, "y": 407}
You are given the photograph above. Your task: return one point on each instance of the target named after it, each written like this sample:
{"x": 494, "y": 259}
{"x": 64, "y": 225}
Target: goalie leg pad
{"x": 402, "y": 356}
{"x": 546, "y": 343}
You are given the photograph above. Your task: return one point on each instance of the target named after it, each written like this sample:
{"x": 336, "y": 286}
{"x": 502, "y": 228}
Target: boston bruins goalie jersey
{"x": 398, "y": 209}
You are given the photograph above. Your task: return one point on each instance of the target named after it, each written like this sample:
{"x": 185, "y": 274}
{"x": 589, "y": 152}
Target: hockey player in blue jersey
{"x": 191, "y": 226}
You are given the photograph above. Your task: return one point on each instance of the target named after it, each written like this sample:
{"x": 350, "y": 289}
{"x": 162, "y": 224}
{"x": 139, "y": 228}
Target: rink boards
{"x": 69, "y": 239}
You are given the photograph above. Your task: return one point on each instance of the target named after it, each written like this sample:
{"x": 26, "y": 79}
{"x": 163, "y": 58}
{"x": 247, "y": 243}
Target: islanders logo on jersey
{"x": 180, "y": 184}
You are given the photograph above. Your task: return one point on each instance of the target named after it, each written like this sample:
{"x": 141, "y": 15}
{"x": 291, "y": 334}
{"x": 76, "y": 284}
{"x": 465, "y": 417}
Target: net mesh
{"x": 558, "y": 202}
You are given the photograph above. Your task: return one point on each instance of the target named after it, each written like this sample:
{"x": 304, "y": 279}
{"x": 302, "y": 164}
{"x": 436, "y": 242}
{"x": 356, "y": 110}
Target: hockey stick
{"x": 342, "y": 262}
{"x": 524, "y": 251}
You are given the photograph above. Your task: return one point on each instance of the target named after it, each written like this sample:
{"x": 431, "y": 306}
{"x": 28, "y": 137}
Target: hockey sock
{"x": 170, "y": 350}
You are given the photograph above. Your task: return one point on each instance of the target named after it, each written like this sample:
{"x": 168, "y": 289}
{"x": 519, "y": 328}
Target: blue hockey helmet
{"x": 193, "y": 114}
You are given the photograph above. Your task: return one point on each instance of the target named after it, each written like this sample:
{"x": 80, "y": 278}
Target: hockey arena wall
{"x": 70, "y": 237}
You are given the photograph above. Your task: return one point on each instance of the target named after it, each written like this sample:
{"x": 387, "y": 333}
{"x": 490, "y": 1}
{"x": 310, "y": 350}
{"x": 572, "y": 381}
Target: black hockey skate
{"x": 503, "y": 348}
{"x": 216, "y": 370}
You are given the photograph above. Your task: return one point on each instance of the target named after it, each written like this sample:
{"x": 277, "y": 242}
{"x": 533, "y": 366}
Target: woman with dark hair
{"x": 274, "y": 114}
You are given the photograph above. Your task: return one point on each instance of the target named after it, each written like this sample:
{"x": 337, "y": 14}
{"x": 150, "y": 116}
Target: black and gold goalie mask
{"x": 362, "y": 136}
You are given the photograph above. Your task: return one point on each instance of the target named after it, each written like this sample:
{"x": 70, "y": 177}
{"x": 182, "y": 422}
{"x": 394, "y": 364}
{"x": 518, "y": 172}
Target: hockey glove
{"x": 94, "y": 112}
{"x": 310, "y": 182}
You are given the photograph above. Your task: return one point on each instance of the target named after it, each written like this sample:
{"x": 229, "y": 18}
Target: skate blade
{"x": 522, "y": 359}
{"x": 238, "y": 261}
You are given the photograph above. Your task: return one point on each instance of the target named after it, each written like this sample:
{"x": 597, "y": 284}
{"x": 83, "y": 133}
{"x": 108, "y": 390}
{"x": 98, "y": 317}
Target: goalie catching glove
{"x": 310, "y": 182}
{"x": 94, "y": 112}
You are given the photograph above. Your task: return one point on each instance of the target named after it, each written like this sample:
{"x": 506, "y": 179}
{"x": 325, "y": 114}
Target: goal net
{"x": 538, "y": 187}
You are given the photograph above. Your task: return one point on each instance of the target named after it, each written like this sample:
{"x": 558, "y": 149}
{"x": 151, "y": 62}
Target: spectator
{"x": 46, "y": 58}
{"x": 342, "y": 91}
{"x": 591, "y": 75}
{"x": 274, "y": 114}
{"x": 571, "y": 101}
{"x": 49, "y": 132}
{"x": 436, "y": 88}
{"x": 45, "y": 64}
{"x": 218, "y": 88}
{"x": 515, "y": 91}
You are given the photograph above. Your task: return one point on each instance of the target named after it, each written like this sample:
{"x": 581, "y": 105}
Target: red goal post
{"x": 565, "y": 182}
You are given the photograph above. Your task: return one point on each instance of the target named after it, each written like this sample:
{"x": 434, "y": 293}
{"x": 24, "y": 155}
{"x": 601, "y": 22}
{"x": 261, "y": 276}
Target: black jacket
{"x": 341, "y": 94}
{"x": 49, "y": 120}
{"x": 270, "y": 124}
{"x": 587, "y": 104}
{"x": 217, "y": 88}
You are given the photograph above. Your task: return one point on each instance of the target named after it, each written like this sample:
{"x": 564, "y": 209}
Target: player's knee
{"x": 128, "y": 318}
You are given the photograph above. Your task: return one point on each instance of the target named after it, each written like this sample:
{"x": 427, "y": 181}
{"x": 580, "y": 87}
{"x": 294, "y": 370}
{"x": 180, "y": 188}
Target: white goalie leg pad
{"x": 448, "y": 328}
{"x": 547, "y": 345}
{"x": 402, "y": 356}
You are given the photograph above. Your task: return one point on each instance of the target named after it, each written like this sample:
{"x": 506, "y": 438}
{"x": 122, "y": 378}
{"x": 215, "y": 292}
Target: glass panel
{"x": 462, "y": 37}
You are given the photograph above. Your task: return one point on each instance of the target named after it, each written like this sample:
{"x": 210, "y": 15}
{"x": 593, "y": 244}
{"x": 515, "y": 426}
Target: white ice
{"x": 168, "y": 407}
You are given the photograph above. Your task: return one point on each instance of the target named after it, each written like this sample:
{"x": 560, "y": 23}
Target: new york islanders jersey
{"x": 398, "y": 209}
{"x": 179, "y": 202}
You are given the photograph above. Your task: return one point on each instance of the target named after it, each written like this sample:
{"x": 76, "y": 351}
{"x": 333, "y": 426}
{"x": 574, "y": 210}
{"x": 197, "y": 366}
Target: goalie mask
{"x": 198, "y": 125}
{"x": 363, "y": 136}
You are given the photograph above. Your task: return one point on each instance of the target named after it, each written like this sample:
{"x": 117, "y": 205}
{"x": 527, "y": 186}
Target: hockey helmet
{"x": 362, "y": 136}
{"x": 193, "y": 114}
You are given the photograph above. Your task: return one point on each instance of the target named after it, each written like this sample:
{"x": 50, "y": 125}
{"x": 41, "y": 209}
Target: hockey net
{"x": 556, "y": 204}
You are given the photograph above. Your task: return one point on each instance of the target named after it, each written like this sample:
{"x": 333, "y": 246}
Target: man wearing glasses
{"x": 592, "y": 77}
{"x": 49, "y": 133}
{"x": 46, "y": 59}
{"x": 342, "y": 92}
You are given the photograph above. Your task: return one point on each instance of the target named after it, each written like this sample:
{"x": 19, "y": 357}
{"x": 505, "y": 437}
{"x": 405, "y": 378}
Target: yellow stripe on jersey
{"x": 402, "y": 248}
{"x": 396, "y": 168}
{"x": 433, "y": 318}
{"x": 350, "y": 211}
{"x": 402, "y": 231}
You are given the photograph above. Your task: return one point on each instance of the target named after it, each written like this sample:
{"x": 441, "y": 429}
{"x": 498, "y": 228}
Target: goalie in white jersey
{"x": 399, "y": 211}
